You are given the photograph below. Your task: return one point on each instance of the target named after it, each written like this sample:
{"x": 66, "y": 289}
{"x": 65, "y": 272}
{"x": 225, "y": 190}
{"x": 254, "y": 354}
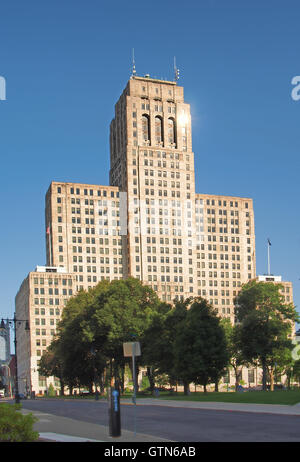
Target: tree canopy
{"x": 200, "y": 346}
{"x": 266, "y": 323}
{"x": 186, "y": 342}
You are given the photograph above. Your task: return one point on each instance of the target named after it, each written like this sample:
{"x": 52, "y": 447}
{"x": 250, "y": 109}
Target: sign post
{"x": 133, "y": 349}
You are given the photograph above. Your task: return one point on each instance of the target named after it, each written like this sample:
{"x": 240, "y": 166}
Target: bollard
{"x": 114, "y": 411}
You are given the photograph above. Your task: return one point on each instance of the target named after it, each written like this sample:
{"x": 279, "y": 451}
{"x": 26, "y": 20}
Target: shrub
{"x": 51, "y": 391}
{"x": 14, "y": 426}
{"x": 145, "y": 383}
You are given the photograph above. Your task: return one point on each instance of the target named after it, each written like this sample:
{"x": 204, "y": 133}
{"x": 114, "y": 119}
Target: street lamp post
{"x": 8, "y": 379}
{"x": 14, "y": 322}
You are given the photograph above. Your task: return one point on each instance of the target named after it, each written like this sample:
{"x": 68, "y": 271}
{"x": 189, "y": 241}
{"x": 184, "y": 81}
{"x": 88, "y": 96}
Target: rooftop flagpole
{"x": 269, "y": 244}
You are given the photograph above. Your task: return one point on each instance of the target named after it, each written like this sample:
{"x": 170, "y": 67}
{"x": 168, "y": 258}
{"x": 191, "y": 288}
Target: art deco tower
{"x": 152, "y": 160}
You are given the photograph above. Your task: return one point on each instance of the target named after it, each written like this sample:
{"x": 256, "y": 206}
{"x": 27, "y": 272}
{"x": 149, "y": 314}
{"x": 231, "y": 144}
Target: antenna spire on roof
{"x": 176, "y": 71}
{"x": 133, "y": 63}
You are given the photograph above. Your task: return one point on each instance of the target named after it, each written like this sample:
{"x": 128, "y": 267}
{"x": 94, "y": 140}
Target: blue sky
{"x": 66, "y": 63}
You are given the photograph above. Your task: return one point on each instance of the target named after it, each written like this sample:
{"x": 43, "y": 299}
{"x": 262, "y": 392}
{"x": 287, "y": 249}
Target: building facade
{"x": 287, "y": 286}
{"x": 149, "y": 223}
{"x": 40, "y": 300}
{"x": 83, "y": 232}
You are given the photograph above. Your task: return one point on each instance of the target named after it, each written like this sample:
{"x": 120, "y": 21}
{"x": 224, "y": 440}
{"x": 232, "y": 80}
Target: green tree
{"x": 200, "y": 347}
{"x": 120, "y": 313}
{"x": 155, "y": 345}
{"x": 233, "y": 341}
{"x": 296, "y": 371}
{"x": 158, "y": 341}
{"x": 50, "y": 363}
{"x": 96, "y": 323}
{"x": 265, "y": 325}
{"x": 51, "y": 390}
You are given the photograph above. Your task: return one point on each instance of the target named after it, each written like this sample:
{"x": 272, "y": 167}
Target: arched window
{"x": 158, "y": 130}
{"x": 145, "y": 127}
{"x": 171, "y": 131}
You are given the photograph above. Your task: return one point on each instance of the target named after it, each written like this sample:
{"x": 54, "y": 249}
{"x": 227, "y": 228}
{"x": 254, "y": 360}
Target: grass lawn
{"x": 255, "y": 397}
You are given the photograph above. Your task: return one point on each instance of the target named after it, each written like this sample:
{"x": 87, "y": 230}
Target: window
{"x": 171, "y": 131}
{"x": 158, "y": 130}
{"x": 251, "y": 376}
{"x": 145, "y": 127}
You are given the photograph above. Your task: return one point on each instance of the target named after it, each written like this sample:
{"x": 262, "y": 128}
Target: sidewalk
{"x": 62, "y": 429}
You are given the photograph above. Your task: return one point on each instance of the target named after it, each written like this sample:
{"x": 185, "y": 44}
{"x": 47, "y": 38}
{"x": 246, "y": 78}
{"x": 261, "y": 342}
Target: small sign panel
{"x": 132, "y": 349}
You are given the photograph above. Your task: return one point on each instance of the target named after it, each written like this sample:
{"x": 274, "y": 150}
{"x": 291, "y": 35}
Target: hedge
{"x": 14, "y": 426}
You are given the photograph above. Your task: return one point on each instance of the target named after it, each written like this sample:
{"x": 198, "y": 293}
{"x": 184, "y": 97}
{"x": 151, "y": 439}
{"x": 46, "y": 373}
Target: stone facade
{"x": 149, "y": 223}
{"x": 40, "y": 300}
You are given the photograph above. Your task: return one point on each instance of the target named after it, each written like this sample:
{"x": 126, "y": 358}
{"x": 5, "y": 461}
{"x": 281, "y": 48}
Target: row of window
{"x": 102, "y": 250}
{"x": 101, "y": 231}
{"x": 92, "y": 240}
{"x": 164, "y": 184}
{"x": 157, "y": 90}
{"x": 101, "y": 269}
{"x": 91, "y": 202}
{"x": 50, "y": 301}
{"x": 44, "y": 332}
{"x": 51, "y": 281}
{"x": 79, "y": 211}
{"x": 90, "y": 192}
{"x": 51, "y": 291}
{"x": 225, "y": 248}
{"x": 163, "y": 155}
{"x": 92, "y": 221}
{"x": 44, "y": 321}
{"x": 220, "y": 203}
{"x": 51, "y": 311}
{"x": 102, "y": 260}
{"x": 159, "y": 135}
{"x": 158, "y": 108}
{"x": 163, "y": 202}
{"x": 221, "y": 230}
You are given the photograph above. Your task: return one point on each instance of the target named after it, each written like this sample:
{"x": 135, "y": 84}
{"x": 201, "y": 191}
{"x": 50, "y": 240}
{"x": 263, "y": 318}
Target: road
{"x": 179, "y": 424}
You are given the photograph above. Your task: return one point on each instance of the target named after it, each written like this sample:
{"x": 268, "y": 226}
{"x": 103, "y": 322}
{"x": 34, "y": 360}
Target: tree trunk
{"x": 122, "y": 379}
{"x": 101, "y": 383}
{"x": 204, "y": 386}
{"x": 289, "y": 376}
{"x": 186, "y": 388}
{"x": 271, "y": 372}
{"x": 237, "y": 373}
{"x": 150, "y": 378}
{"x": 62, "y": 388}
{"x": 264, "y": 376}
{"x": 216, "y": 385}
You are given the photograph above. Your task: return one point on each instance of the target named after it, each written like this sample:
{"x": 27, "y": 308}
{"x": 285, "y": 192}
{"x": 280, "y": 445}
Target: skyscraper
{"x": 150, "y": 223}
